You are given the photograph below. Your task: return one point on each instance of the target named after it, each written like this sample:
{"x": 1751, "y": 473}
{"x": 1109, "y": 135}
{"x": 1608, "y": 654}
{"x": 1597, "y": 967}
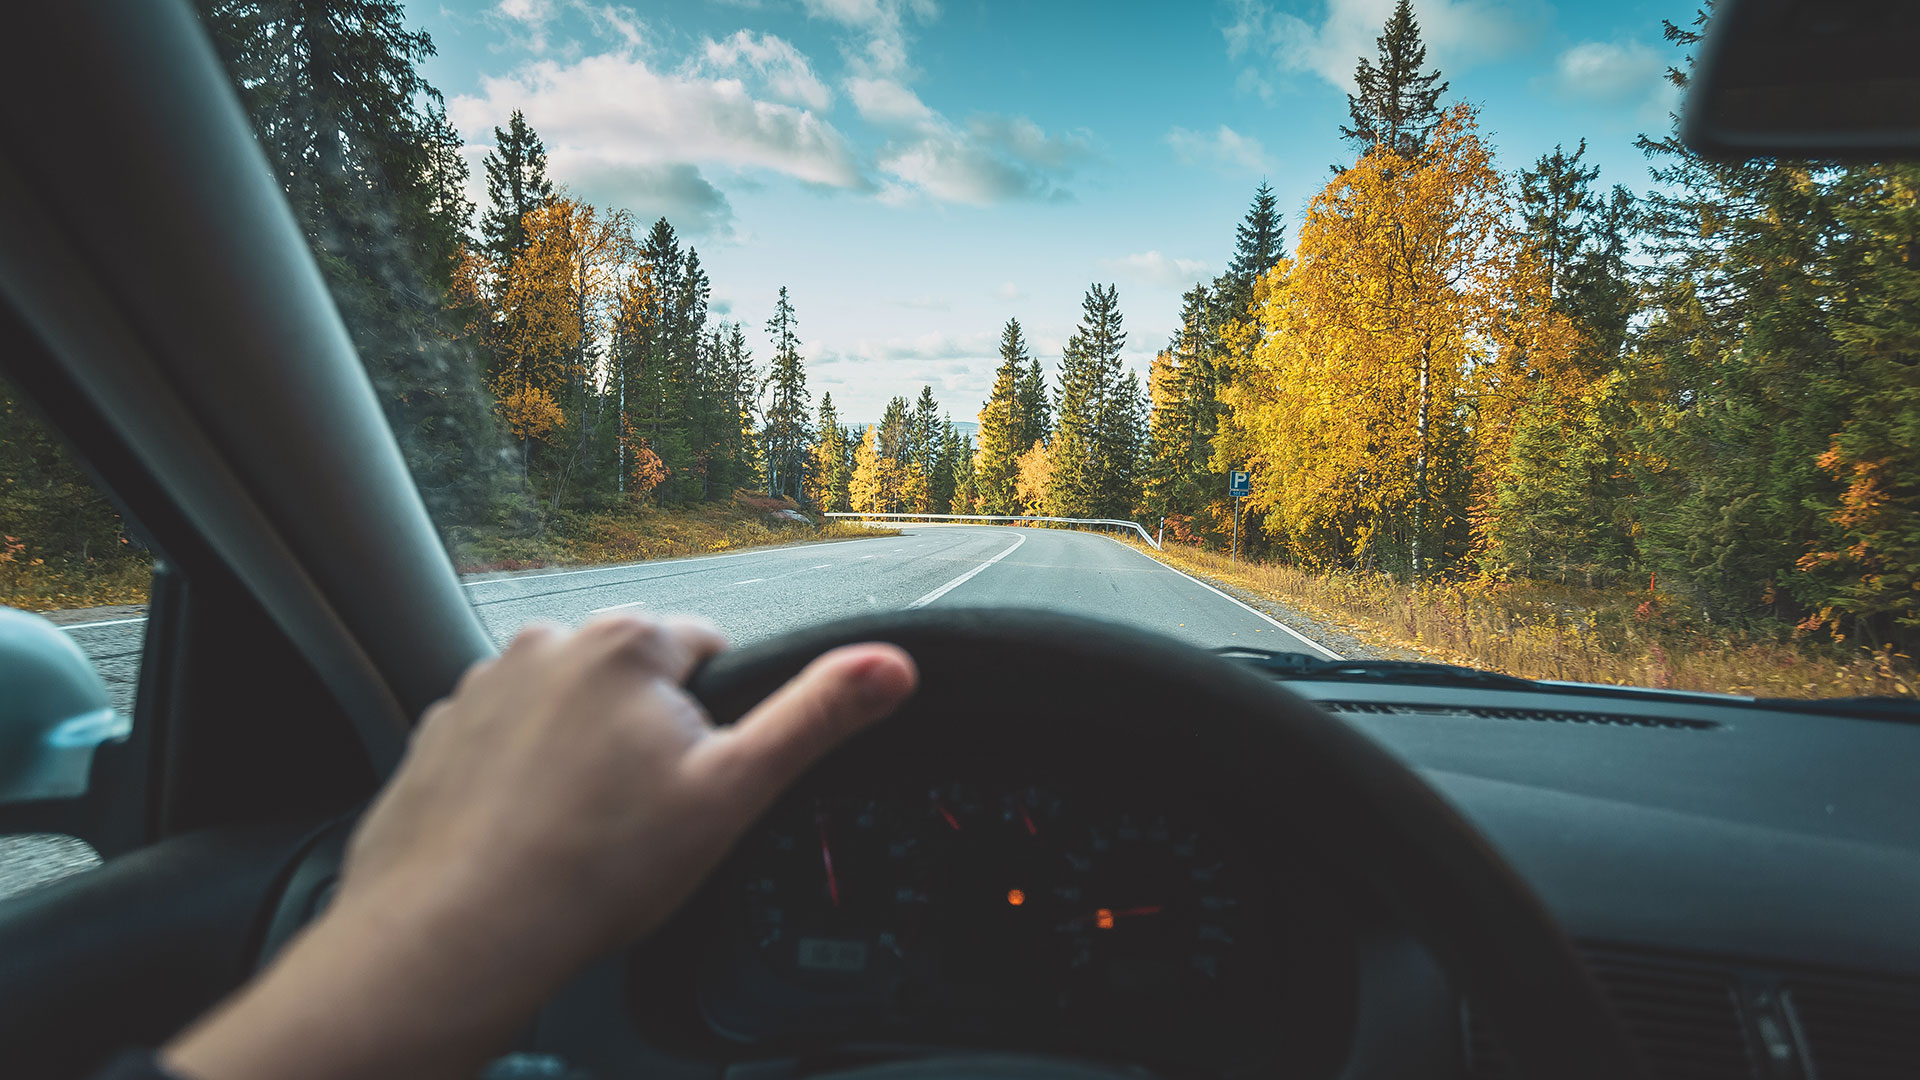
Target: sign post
{"x": 1238, "y": 484}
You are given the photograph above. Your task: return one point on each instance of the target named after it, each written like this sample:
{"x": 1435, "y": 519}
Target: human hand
{"x": 564, "y": 800}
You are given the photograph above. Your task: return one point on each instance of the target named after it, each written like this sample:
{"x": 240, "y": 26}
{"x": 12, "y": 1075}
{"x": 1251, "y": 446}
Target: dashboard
{"x": 1074, "y": 914}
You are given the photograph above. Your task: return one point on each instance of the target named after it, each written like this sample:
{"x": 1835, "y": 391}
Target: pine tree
{"x": 1036, "y": 411}
{"x": 1096, "y": 441}
{"x": 785, "y": 436}
{"x": 923, "y": 451}
{"x": 517, "y": 183}
{"x": 829, "y": 487}
{"x": 1259, "y": 242}
{"x": 1004, "y": 427}
{"x": 949, "y": 448}
{"x": 966, "y": 495}
{"x": 1178, "y": 477}
{"x": 1398, "y": 104}
{"x": 357, "y": 138}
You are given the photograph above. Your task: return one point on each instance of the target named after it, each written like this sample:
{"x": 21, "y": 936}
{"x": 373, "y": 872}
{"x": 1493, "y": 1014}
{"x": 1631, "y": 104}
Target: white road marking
{"x": 1302, "y": 638}
{"x": 822, "y": 566}
{"x": 749, "y": 581}
{"x": 616, "y": 607}
{"x": 964, "y": 578}
{"x": 105, "y": 622}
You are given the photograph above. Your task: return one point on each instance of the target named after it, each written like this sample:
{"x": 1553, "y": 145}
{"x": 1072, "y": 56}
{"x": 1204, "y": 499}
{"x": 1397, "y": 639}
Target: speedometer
{"x": 837, "y": 889}
{"x": 964, "y": 905}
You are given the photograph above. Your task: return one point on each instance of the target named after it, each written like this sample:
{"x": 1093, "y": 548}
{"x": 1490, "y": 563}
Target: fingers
{"x": 671, "y": 648}
{"x": 839, "y": 693}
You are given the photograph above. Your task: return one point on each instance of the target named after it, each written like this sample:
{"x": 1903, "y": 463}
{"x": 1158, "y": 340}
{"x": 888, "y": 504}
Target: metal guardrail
{"x": 1117, "y": 523}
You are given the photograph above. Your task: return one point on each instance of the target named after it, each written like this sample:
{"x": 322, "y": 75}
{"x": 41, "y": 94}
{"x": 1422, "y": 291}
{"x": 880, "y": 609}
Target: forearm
{"x": 368, "y": 991}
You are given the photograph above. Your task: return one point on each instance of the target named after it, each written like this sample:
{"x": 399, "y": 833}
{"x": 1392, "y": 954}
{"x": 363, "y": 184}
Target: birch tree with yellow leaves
{"x": 1356, "y": 410}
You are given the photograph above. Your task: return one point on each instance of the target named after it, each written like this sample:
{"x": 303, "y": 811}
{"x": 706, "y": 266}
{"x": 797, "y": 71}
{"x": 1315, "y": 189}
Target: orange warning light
{"x": 1103, "y": 918}
{"x": 1016, "y": 897}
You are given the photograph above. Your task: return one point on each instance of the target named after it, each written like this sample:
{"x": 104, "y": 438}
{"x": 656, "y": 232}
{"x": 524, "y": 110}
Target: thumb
{"x": 839, "y": 693}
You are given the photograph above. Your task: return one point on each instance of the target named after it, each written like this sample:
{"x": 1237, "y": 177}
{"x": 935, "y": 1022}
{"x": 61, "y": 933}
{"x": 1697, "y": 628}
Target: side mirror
{"x": 1807, "y": 79}
{"x": 54, "y": 712}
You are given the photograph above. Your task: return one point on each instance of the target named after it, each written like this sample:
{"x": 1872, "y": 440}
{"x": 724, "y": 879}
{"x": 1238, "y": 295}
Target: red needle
{"x": 1028, "y": 818}
{"x": 948, "y": 814}
{"x": 826, "y": 857}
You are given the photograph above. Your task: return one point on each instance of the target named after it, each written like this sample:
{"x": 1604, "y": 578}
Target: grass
{"x": 32, "y": 585}
{"x": 570, "y": 540}
{"x": 647, "y": 533}
{"x": 1544, "y": 631}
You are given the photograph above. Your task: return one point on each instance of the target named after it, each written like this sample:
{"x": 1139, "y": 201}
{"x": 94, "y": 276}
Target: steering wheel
{"x": 1129, "y": 696}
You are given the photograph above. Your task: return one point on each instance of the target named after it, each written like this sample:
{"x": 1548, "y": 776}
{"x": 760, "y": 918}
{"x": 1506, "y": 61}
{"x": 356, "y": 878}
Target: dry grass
{"x": 574, "y": 540}
{"x": 586, "y": 540}
{"x": 1636, "y": 638}
{"x": 33, "y": 586}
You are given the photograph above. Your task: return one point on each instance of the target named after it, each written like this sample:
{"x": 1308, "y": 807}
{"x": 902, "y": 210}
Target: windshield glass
{"x": 1364, "y": 330}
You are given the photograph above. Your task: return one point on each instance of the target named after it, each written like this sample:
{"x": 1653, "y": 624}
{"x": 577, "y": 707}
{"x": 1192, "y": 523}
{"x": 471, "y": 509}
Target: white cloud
{"x": 1457, "y": 33}
{"x": 989, "y": 160}
{"x": 1155, "y": 269}
{"x": 1223, "y": 147}
{"x": 882, "y": 27}
{"x": 1009, "y": 292}
{"x": 525, "y": 22}
{"x": 785, "y": 73}
{"x": 1610, "y": 72}
{"x": 611, "y": 112}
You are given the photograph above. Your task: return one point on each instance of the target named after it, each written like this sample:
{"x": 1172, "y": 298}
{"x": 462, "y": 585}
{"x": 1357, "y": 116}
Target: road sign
{"x": 1238, "y": 485}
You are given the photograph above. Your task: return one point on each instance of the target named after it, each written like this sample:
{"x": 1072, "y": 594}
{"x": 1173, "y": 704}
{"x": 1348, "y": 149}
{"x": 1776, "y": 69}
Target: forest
{"x": 1461, "y": 369}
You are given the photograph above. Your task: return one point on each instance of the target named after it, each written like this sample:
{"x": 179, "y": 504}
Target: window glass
{"x": 67, "y": 557}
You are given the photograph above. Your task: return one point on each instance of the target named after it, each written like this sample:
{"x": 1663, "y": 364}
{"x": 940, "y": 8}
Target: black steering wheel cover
{"x": 1367, "y": 814}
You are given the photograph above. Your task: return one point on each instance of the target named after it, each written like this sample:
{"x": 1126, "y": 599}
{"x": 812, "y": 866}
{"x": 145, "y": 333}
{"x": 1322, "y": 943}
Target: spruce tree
{"x": 924, "y": 451}
{"x": 1004, "y": 427}
{"x": 1398, "y": 104}
{"x": 358, "y": 140}
{"x": 833, "y": 461}
{"x": 1036, "y": 411}
{"x": 785, "y": 436}
{"x": 516, "y": 183}
{"x": 1095, "y": 440}
{"x": 1259, "y": 242}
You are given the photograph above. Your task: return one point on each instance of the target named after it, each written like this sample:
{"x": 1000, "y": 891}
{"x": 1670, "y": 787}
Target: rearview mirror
{"x": 54, "y": 712}
{"x": 1807, "y": 79}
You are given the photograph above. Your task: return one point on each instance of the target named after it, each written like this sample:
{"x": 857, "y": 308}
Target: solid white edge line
{"x": 107, "y": 622}
{"x": 1304, "y": 639}
{"x": 964, "y": 578}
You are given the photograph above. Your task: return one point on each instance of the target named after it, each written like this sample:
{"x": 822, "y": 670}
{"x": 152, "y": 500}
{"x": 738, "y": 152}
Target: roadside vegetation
{"x": 651, "y": 533}
{"x": 1541, "y": 630}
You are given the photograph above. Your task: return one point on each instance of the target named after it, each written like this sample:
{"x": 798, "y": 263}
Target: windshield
{"x": 1356, "y": 330}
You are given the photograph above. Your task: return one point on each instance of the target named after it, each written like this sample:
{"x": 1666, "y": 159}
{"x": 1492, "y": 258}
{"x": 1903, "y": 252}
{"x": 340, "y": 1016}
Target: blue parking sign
{"x": 1238, "y": 485}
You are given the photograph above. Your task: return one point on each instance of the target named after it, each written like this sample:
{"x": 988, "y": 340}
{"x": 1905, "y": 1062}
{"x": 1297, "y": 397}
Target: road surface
{"x": 753, "y": 595}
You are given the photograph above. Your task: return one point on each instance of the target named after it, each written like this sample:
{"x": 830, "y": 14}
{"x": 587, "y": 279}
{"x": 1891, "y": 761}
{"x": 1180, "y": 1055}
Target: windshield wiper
{"x": 1301, "y": 666}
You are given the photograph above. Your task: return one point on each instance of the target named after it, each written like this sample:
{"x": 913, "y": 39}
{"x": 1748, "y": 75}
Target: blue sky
{"x": 918, "y": 171}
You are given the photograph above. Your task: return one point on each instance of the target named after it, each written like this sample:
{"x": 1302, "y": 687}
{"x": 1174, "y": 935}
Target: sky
{"x": 917, "y": 172}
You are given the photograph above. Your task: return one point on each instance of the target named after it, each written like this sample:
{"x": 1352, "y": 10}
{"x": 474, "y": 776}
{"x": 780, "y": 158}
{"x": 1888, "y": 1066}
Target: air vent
{"x": 1686, "y": 1022}
{"x": 1543, "y": 716}
{"x": 1858, "y": 1031}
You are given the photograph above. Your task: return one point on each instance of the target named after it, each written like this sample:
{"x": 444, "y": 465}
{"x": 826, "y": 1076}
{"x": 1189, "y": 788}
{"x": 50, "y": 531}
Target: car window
{"x": 1315, "y": 333}
{"x": 67, "y": 557}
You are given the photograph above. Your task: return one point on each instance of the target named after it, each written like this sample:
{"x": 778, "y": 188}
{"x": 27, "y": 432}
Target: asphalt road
{"x": 753, "y": 595}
